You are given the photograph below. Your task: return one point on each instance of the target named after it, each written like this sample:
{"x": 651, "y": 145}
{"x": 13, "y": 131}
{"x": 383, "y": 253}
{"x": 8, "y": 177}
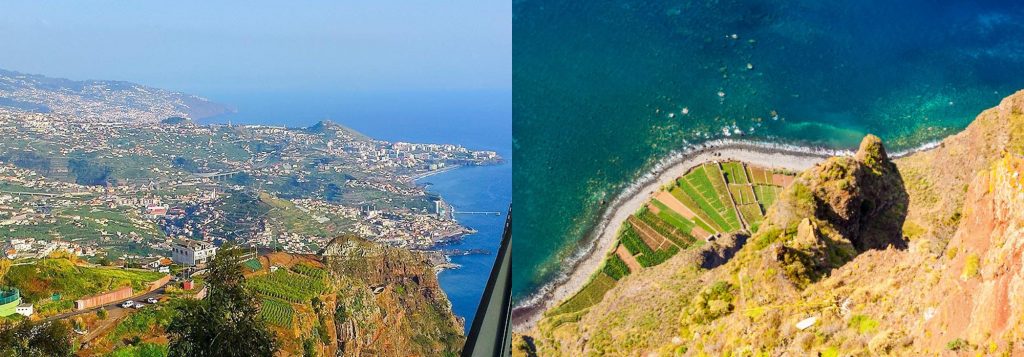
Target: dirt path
{"x": 630, "y": 261}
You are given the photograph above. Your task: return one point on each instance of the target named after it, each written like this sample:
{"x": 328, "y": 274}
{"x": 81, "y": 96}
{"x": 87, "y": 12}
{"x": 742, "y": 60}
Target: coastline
{"x": 591, "y": 251}
{"x": 424, "y": 175}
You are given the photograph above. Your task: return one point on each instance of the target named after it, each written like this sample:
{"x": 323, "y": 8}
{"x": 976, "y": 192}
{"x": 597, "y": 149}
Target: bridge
{"x": 28, "y": 193}
{"x": 489, "y": 213}
{"x": 216, "y": 175}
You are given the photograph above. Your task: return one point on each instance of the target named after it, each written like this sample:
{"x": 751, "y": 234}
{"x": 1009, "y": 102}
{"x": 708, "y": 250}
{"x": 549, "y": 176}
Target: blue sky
{"x": 228, "y": 46}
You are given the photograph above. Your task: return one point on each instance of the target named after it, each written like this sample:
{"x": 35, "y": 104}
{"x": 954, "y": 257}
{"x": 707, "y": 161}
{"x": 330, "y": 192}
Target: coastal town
{"x": 128, "y": 191}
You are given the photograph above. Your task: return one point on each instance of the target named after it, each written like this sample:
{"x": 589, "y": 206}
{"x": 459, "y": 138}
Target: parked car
{"x": 138, "y": 305}
{"x": 152, "y": 301}
{"x": 127, "y": 304}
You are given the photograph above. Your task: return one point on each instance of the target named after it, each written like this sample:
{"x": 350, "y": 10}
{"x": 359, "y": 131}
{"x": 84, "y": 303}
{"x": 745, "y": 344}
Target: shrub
{"x": 971, "y": 267}
{"x": 863, "y": 323}
{"x": 956, "y": 345}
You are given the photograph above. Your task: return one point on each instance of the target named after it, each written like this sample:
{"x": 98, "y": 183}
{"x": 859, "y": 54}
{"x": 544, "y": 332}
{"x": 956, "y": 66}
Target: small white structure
{"x": 192, "y": 252}
{"x": 24, "y": 309}
{"x": 805, "y": 323}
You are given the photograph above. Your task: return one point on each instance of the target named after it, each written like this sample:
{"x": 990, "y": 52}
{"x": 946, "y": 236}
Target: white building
{"x": 192, "y": 252}
{"x": 24, "y": 309}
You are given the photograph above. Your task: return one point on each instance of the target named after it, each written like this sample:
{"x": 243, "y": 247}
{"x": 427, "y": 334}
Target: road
{"x": 158, "y": 293}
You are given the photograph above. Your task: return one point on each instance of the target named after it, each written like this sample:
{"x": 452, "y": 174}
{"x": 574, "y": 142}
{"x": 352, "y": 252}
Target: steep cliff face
{"x": 860, "y": 256}
{"x": 389, "y": 302}
{"x": 937, "y": 179}
{"x": 985, "y": 272}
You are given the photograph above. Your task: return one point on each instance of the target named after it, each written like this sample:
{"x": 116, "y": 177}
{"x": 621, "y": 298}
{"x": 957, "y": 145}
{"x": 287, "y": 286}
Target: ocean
{"x": 604, "y": 90}
{"x": 478, "y": 120}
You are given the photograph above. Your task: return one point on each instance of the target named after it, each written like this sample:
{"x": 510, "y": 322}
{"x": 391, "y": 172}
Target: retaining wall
{"x": 101, "y": 299}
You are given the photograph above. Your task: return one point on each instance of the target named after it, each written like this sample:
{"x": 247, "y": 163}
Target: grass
{"x": 142, "y": 322}
{"x": 971, "y": 267}
{"x": 742, "y": 194}
{"x": 752, "y": 214}
{"x": 863, "y": 323}
{"x": 734, "y": 172}
{"x": 699, "y": 204}
{"x": 45, "y": 277}
{"x": 679, "y": 237}
{"x": 588, "y": 296}
{"x": 766, "y": 195}
{"x": 714, "y": 175}
{"x": 673, "y": 218}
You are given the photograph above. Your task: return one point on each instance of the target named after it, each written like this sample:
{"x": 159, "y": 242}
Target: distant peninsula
{"x": 101, "y": 100}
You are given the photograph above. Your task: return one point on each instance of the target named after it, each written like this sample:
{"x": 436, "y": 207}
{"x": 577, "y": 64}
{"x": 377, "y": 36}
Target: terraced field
{"x": 711, "y": 199}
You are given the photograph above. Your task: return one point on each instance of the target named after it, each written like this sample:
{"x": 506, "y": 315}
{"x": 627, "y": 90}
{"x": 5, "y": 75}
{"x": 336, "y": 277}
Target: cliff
{"x": 389, "y": 302}
{"x": 859, "y": 256}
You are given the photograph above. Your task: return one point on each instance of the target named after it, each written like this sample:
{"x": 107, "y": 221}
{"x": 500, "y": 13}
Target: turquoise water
{"x": 601, "y": 87}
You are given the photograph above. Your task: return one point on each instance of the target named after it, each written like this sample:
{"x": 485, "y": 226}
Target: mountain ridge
{"x": 101, "y": 100}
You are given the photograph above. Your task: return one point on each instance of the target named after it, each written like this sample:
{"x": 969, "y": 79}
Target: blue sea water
{"x": 604, "y": 89}
{"x": 479, "y": 120}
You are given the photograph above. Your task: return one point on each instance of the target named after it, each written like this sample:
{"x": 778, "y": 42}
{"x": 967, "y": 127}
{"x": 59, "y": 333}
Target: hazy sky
{"x": 220, "y": 46}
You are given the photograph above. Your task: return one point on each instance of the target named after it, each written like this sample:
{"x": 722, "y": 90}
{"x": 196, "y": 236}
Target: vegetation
{"x": 589, "y": 295}
{"x": 643, "y": 253}
{"x": 276, "y": 312}
{"x": 615, "y": 267}
{"x": 971, "y": 266}
{"x": 144, "y": 349}
{"x": 28, "y": 338}
{"x": 141, "y": 323}
{"x": 88, "y": 172}
{"x": 711, "y": 303}
{"x": 285, "y": 285}
{"x": 40, "y": 280}
{"x": 227, "y": 322}
{"x": 863, "y": 323}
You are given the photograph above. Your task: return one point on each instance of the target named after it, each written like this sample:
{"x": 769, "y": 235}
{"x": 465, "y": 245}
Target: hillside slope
{"x": 860, "y": 256}
{"x": 104, "y": 101}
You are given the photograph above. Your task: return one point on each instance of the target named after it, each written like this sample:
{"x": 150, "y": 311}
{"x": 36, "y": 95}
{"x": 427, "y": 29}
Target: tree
{"x": 30, "y": 339}
{"x": 227, "y": 321}
{"x": 5, "y": 265}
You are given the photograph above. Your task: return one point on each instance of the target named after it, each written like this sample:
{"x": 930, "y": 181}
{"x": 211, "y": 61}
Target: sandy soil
{"x": 602, "y": 239}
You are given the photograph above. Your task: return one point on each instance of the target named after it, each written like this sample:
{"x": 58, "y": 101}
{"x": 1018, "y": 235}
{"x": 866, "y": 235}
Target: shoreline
{"x": 590, "y": 252}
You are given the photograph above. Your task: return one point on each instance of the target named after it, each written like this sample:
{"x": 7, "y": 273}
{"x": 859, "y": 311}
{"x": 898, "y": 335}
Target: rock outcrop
{"x": 389, "y": 302}
{"x": 836, "y": 210}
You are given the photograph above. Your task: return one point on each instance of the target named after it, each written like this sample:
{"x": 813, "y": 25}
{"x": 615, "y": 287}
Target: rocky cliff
{"x": 388, "y": 302}
{"x": 860, "y": 256}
